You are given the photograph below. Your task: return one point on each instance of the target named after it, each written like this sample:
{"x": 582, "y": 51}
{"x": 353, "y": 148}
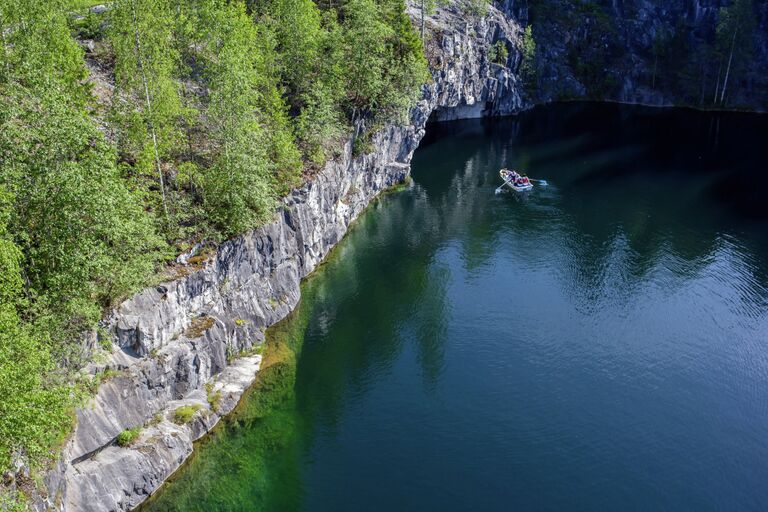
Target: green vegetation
{"x": 528, "y": 63}
{"x": 184, "y": 414}
{"x": 498, "y": 53}
{"x": 214, "y": 398}
{"x": 691, "y": 59}
{"x": 127, "y": 437}
{"x": 219, "y": 107}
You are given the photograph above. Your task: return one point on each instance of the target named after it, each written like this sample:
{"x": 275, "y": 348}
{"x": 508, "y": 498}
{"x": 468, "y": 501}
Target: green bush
{"x": 184, "y": 414}
{"x": 127, "y": 437}
{"x": 498, "y": 53}
{"x": 214, "y": 399}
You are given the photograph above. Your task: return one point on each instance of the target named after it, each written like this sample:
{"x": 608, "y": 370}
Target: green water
{"x": 597, "y": 344}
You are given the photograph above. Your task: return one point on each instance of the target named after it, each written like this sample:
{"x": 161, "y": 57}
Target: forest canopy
{"x": 130, "y": 132}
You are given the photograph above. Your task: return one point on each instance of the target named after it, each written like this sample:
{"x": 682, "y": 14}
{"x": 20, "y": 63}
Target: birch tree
{"x": 253, "y": 147}
{"x": 148, "y": 102}
{"x": 735, "y": 30}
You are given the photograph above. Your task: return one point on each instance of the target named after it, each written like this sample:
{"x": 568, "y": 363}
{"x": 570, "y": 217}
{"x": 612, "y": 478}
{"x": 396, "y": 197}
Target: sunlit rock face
{"x": 192, "y": 341}
{"x": 192, "y": 338}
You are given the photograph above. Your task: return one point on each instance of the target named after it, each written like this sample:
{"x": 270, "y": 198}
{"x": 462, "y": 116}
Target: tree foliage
{"x": 218, "y": 107}
{"x": 33, "y": 411}
{"x": 528, "y": 62}
{"x": 147, "y": 106}
{"x": 253, "y": 146}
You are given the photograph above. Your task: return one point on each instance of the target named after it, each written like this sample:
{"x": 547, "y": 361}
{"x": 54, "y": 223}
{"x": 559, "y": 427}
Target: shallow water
{"x": 597, "y": 344}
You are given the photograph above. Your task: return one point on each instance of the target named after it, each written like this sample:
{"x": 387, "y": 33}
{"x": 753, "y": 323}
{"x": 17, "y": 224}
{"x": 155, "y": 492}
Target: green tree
{"x": 735, "y": 31}
{"x": 148, "y": 101}
{"x": 34, "y": 411}
{"x": 37, "y": 46}
{"x": 528, "y": 63}
{"x": 385, "y": 66}
{"x": 254, "y": 150}
{"x": 84, "y": 236}
{"x": 366, "y": 55}
{"x": 498, "y": 53}
{"x": 320, "y": 121}
{"x": 308, "y": 56}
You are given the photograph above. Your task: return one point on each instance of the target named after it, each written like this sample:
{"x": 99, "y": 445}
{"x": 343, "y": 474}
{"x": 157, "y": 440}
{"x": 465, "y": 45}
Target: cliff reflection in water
{"x": 596, "y": 343}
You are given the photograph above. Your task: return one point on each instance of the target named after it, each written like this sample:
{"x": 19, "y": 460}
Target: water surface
{"x": 597, "y": 344}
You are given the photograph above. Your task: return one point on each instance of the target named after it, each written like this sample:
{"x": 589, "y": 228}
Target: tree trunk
{"x": 717, "y": 82}
{"x": 148, "y": 100}
{"x": 728, "y": 69}
{"x": 422, "y": 18}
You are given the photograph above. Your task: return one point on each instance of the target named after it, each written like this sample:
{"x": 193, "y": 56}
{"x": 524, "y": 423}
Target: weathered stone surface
{"x": 632, "y": 73}
{"x": 173, "y": 339}
{"x": 466, "y": 83}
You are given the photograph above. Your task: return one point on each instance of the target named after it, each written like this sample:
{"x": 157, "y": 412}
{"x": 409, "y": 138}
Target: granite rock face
{"x": 642, "y": 51}
{"x": 195, "y": 337}
{"x": 466, "y": 83}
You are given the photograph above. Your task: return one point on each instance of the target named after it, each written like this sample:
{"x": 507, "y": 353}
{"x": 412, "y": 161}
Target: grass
{"x": 214, "y": 399}
{"x": 254, "y": 350}
{"x": 127, "y": 437}
{"x": 154, "y": 420}
{"x": 184, "y": 414}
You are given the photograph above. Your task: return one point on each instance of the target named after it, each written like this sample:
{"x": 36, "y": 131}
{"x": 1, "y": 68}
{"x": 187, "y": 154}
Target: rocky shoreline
{"x": 192, "y": 343}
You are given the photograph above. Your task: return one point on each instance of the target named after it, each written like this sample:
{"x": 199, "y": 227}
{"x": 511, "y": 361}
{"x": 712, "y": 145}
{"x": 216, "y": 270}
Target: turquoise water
{"x": 597, "y": 344}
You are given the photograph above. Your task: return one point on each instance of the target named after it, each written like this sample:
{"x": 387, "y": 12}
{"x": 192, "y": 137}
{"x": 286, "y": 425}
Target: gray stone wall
{"x": 178, "y": 342}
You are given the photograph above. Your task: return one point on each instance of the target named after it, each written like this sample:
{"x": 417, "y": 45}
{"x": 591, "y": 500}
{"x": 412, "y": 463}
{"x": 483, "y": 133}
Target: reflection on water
{"x": 596, "y": 344}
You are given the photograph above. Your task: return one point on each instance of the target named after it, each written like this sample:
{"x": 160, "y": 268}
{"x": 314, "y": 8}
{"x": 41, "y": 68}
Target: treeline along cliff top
{"x": 131, "y": 131}
{"x": 134, "y": 130}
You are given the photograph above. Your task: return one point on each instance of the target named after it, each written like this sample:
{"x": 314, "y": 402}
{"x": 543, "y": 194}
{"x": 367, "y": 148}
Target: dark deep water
{"x": 599, "y": 344}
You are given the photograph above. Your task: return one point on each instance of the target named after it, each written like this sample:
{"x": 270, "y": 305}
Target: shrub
{"x": 214, "y": 399}
{"x": 498, "y": 53}
{"x": 127, "y": 437}
{"x": 184, "y": 414}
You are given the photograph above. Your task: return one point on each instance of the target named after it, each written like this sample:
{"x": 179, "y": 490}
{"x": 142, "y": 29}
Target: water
{"x": 598, "y": 344}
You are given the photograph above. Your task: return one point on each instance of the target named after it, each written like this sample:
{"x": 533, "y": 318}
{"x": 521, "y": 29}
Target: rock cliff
{"x": 646, "y": 51}
{"x": 193, "y": 342}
